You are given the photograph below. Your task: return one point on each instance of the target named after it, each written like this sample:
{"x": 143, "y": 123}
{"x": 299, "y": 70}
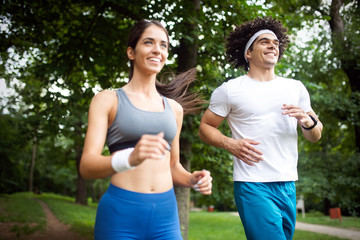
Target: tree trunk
{"x": 32, "y": 165}
{"x": 343, "y": 48}
{"x": 81, "y": 193}
{"x": 183, "y": 193}
{"x": 336, "y": 22}
{"x": 187, "y": 58}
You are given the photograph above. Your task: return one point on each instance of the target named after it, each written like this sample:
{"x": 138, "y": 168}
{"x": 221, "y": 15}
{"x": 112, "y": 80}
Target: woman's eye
{"x": 148, "y": 42}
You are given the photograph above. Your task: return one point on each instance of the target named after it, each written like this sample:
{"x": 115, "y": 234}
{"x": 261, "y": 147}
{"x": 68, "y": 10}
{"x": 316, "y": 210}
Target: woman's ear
{"x": 130, "y": 52}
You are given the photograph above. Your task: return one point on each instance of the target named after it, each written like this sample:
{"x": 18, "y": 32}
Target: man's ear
{"x": 248, "y": 54}
{"x": 131, "y": 53}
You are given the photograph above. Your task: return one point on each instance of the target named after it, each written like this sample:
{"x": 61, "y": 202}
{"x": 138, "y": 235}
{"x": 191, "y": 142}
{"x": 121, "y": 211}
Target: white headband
{"x": 252, "y": 39}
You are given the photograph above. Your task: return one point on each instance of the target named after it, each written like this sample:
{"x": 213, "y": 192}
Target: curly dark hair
{"x": 239, "y": 37}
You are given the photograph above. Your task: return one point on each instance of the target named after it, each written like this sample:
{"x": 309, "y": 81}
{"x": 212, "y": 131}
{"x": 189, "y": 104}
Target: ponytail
{"x": 178, "y": 89}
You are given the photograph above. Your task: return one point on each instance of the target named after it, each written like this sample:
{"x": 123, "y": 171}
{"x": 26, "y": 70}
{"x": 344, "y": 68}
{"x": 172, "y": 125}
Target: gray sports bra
{"x": 131, "y": 123}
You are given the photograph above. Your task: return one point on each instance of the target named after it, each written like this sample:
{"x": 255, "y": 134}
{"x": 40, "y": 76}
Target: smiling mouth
{"x": 154, "y": 59}
{"x": 273, "y": 54}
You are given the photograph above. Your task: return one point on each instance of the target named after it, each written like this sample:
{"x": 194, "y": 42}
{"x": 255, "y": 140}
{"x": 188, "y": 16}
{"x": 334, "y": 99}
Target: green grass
{"x": 24, "y": 211}
{"x": 23, "y": 208}
{"x": 223, "y": 225}
{"x": 215, "y": 225}
{"x": 319, "y": 218}
{"x": 80, "y": 218}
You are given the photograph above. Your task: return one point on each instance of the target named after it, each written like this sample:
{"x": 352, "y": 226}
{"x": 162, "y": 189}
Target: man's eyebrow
{"x": 264, "y": 38}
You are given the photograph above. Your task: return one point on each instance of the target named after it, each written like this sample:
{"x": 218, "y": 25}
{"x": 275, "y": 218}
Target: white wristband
{"x": 120, "y": 160}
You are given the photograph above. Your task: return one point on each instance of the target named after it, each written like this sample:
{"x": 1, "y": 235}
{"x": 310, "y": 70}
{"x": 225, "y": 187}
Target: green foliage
{"x": 220, "y": 163}
{"x": 57, "y": 54}
{"x": 13, "y": 174}
{"x": 328, "y": 170}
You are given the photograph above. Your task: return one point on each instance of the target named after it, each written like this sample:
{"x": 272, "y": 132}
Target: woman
{"x": 141, "y": 127}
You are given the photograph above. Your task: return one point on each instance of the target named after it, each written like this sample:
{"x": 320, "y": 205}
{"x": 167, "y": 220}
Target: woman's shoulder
{"x": 104, "y": 98}
{"x": 104, "y": 95}
{"x": 175, "y": 106}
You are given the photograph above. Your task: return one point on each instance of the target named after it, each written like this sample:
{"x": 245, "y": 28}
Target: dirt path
{"x": 55, "y": 230}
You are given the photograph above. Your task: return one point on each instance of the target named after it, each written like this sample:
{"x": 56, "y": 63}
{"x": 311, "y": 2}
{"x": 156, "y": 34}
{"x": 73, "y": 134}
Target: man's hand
{"x": 303, "y": 118}
{"x": 244, "y": 149}
{"x": 297, "y": 112}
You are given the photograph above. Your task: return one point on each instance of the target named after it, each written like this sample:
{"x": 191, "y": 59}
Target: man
{"x": 263, "y": 111}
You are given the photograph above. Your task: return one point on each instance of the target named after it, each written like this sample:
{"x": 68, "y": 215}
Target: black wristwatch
{"x": 309, "y": 128}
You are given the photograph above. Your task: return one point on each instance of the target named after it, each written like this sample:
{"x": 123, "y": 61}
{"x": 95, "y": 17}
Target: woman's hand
{"x": 201, "y": 181}
{"x": 149, "y": 147}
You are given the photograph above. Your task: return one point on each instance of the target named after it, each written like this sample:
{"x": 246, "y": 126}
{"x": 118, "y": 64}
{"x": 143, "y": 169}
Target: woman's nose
{"x": 156, "y": 48}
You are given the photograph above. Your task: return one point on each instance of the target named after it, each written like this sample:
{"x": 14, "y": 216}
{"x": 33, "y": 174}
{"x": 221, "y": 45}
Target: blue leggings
{"x": 124, "y": 214}
{"x": 267, "y": 210}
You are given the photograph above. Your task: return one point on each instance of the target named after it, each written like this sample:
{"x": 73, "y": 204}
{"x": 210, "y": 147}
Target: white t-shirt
{"x": 253, "y": 111}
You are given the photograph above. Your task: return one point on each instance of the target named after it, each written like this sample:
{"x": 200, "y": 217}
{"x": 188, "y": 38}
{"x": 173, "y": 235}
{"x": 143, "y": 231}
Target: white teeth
{"x": 154, "y": 59}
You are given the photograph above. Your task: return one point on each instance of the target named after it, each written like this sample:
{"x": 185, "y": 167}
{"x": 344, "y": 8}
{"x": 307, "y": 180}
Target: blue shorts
{"x": 123, "y": 214}
{"x": 267, "y": 210}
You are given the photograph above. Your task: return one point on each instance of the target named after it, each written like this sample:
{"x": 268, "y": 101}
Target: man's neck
{"x": 262, "y": 74}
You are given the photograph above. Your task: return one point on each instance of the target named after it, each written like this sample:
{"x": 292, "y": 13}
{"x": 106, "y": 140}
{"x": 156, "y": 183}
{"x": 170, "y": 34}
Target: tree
{"x": 328, "y": 65}
{"x": 69, "y": 54}
{"x": 69, "y": 51}
{"x": 75, "y": 48}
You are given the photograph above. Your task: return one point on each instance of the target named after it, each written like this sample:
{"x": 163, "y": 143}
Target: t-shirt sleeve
{"x": 219, "y": 103}
{"x": 304, "y": 101}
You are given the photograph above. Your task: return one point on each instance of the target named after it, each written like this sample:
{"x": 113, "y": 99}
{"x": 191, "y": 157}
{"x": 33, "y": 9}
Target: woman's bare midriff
{"x": 151, "y": 176}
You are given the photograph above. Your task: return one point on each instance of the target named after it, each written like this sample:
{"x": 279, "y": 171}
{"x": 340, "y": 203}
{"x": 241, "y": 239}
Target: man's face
{"x": 265, "y": 50}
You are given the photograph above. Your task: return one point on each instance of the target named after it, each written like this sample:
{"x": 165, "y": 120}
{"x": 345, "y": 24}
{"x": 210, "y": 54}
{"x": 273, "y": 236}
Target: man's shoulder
{"x": 233, "y": 81}
{"x": 289, "y": 80}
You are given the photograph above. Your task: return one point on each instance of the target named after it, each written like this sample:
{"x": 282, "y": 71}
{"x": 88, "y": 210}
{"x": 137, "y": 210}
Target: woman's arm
{"x": 200, "y": 180}
{"x": 93, "y": 164}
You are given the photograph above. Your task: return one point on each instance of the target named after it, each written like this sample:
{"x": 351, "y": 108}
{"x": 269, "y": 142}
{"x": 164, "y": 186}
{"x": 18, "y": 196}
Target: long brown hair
{"x": 174, "y": 87}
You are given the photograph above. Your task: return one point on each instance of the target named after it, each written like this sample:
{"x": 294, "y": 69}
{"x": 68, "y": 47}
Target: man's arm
{"x": 208, "y": 130}
{"x": 314, "y": 134}
{"x": 305, "y": 122}
{"x": 241, "y": 148}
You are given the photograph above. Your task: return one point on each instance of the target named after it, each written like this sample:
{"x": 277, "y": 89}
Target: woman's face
{"x": 151, "y": 51}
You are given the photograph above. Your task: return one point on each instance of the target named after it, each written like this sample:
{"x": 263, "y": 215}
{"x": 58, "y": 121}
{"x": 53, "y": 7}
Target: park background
{"x": 55, "y": 55}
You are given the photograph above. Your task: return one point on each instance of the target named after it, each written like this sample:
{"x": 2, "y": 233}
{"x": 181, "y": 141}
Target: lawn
{"x": 319, "y": 218}
{"x": 223, "y": 225}
{"x": 24, "y": 208}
